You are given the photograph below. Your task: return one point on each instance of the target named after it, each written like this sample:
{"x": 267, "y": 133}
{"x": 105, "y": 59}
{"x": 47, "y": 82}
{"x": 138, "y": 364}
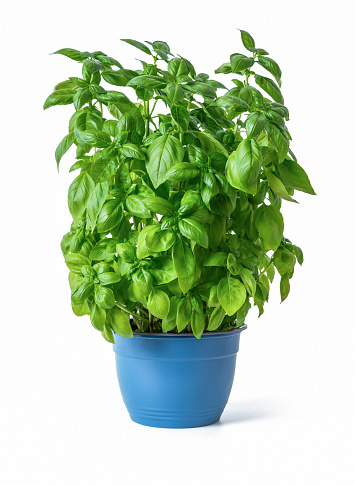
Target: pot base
{"x": 175, "y": 420}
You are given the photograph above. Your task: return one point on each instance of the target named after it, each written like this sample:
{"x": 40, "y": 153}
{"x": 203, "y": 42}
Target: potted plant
{"x": 177, "y": 228}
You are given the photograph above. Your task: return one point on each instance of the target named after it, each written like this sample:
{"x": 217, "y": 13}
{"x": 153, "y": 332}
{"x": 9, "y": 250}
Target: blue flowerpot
{"x": 176, "y": 380}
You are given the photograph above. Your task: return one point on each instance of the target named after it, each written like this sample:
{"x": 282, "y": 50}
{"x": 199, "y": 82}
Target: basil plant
{"x": 177, "y": 223}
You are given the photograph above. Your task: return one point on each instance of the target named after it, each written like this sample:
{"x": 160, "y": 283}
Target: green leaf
{"x": 210, "y": 144}
{"x": 269, "y": 86}
{"x": 293, "y": 175}
{"x": 184, "y": 264}
{"x": 224, "y": 69}
{"x": 164, "y": 152}
{"x": 76, "y": 261}
{"x": 103, "y": 169}
{"x": 63, "y": 147}
{"x": 104, "y": 297}
{"x": 119, "y": 322}
{"x": 95, "y": 203}
{"x": 135, "y": 205}
{"x": 178, "y": 67}
{"x": 107, "y": 334}
{"x": 164, "y": 273}
{"x": 127, "y": 252}
{"x": 182, "y": 171}
{"x": 284, "y": 261}
{"x": 239, "y": 62}
{"x": 96, "y": 138}
{"x": 73, "y": 54}
{"x": 142, "y": 283}
{"x": 158, "y": 303}
{"x": 110, "y": 215}
{"x": 216, "y": 318}
{"x": 197, "y": 317}
{"x": 59, "y": 97}
{"x": 278, "y": 187}
{"x": 243, "y": 166}
{"x": 104, "y": 250}
{"x": 298, "y": 253}
{"x": 270, "y": 225}
{"x": 200, "y": 88}
{"x": 231, "y": 294}
{"x": 254, "y": 124}
{"x": 248, "y": 281}
{"x": 146, "y": 81}
{"x": 131, "y": 150}
{"x": 159, "y": 205}
{"x": 109, "y": 278}
{"x": 271, "y": 66}
{"x": 81, "y": 292}
{"x": 247, "y": 40}
{"x": 138, "y": 45}
{"x": 160, "y": 240}
{"x": 217, "y": 259}
{"x": 284, "y": 287}
{"x": 181, "y": 115}
{"x": 194, "y": 230}
{"x": 280, "y": 142}
{"x": 233, "y": 265}
{"x": 169, "y": 323}
{"x": 97, "y": 317}
{"x": 184, "y": 312}
{"x": 79, "y": 193}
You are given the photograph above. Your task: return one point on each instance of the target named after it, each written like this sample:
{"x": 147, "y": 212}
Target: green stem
{"x": 146, "y": 112}
{"x": 124, "y": 309}
{"x": 266, "y": 268}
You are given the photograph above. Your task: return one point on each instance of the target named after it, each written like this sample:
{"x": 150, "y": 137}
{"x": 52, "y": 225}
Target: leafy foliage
{"x": 176, "y": 215}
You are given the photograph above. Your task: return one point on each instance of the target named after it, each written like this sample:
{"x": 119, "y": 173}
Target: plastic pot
{"x": 176, "y": 380}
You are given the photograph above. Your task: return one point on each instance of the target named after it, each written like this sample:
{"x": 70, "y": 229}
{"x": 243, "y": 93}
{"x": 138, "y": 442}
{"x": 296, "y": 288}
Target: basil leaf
{"x": 270, "y": 225}
{"x": 164, "y": 152}
{"x": 104, "y": 297}
{"x": 110, "y": 215}
{"x": 138, "y": 45}
{"x": 184, "y": 312}
{"x": 119, "y": 322}
{"x": 194, "y": 230}
{"x": 76, "y": 261}
{"x": 63, "y": 147}
{"x": 243, "y": 166}
{"x": 248, "y": 281}
{"x": 293, "y": 175}
{"x": 103, "y": 170}
{"x": 184, "y": 264}
{"x": 59, "y": 97}
{"x": 271, "y": 66}
{"x": 98, "y": 317}
{"x": 135, "y": 205}
{"x": 216, "y": 318}
{"x": 182, "y": 171}
{"x": 158, "y": 303}
{"x": 231, "y": 294}
{"x": 254, "y": 124}
{"x": 247, "y": 40}
{"x": 270, "y": 87}
{"x": 160, "y": 240}
{"x": 239, "y": 62}
{"x": 79, "y": 193}
{"x": 284, "y": 287}
{"x": 278, "y": 187}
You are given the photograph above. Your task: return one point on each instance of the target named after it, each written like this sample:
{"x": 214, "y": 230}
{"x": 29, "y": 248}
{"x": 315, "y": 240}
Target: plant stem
{"x": 265, "y": 269}
{"x": 124, "y": 309}
{"x": 146, "y": 111}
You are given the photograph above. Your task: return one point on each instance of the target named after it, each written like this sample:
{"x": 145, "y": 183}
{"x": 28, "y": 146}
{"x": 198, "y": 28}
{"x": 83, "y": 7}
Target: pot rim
{"x": 190, "y": 334}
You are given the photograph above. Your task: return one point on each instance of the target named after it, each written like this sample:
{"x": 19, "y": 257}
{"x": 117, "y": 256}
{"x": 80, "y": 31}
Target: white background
{"x": 289, "y": 419}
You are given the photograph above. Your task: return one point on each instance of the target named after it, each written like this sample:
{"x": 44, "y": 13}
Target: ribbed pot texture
{"x": 176, "y": 380}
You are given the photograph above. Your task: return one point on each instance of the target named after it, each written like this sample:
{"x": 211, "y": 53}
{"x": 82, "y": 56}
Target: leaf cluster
{"x": 176, "y": 213}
